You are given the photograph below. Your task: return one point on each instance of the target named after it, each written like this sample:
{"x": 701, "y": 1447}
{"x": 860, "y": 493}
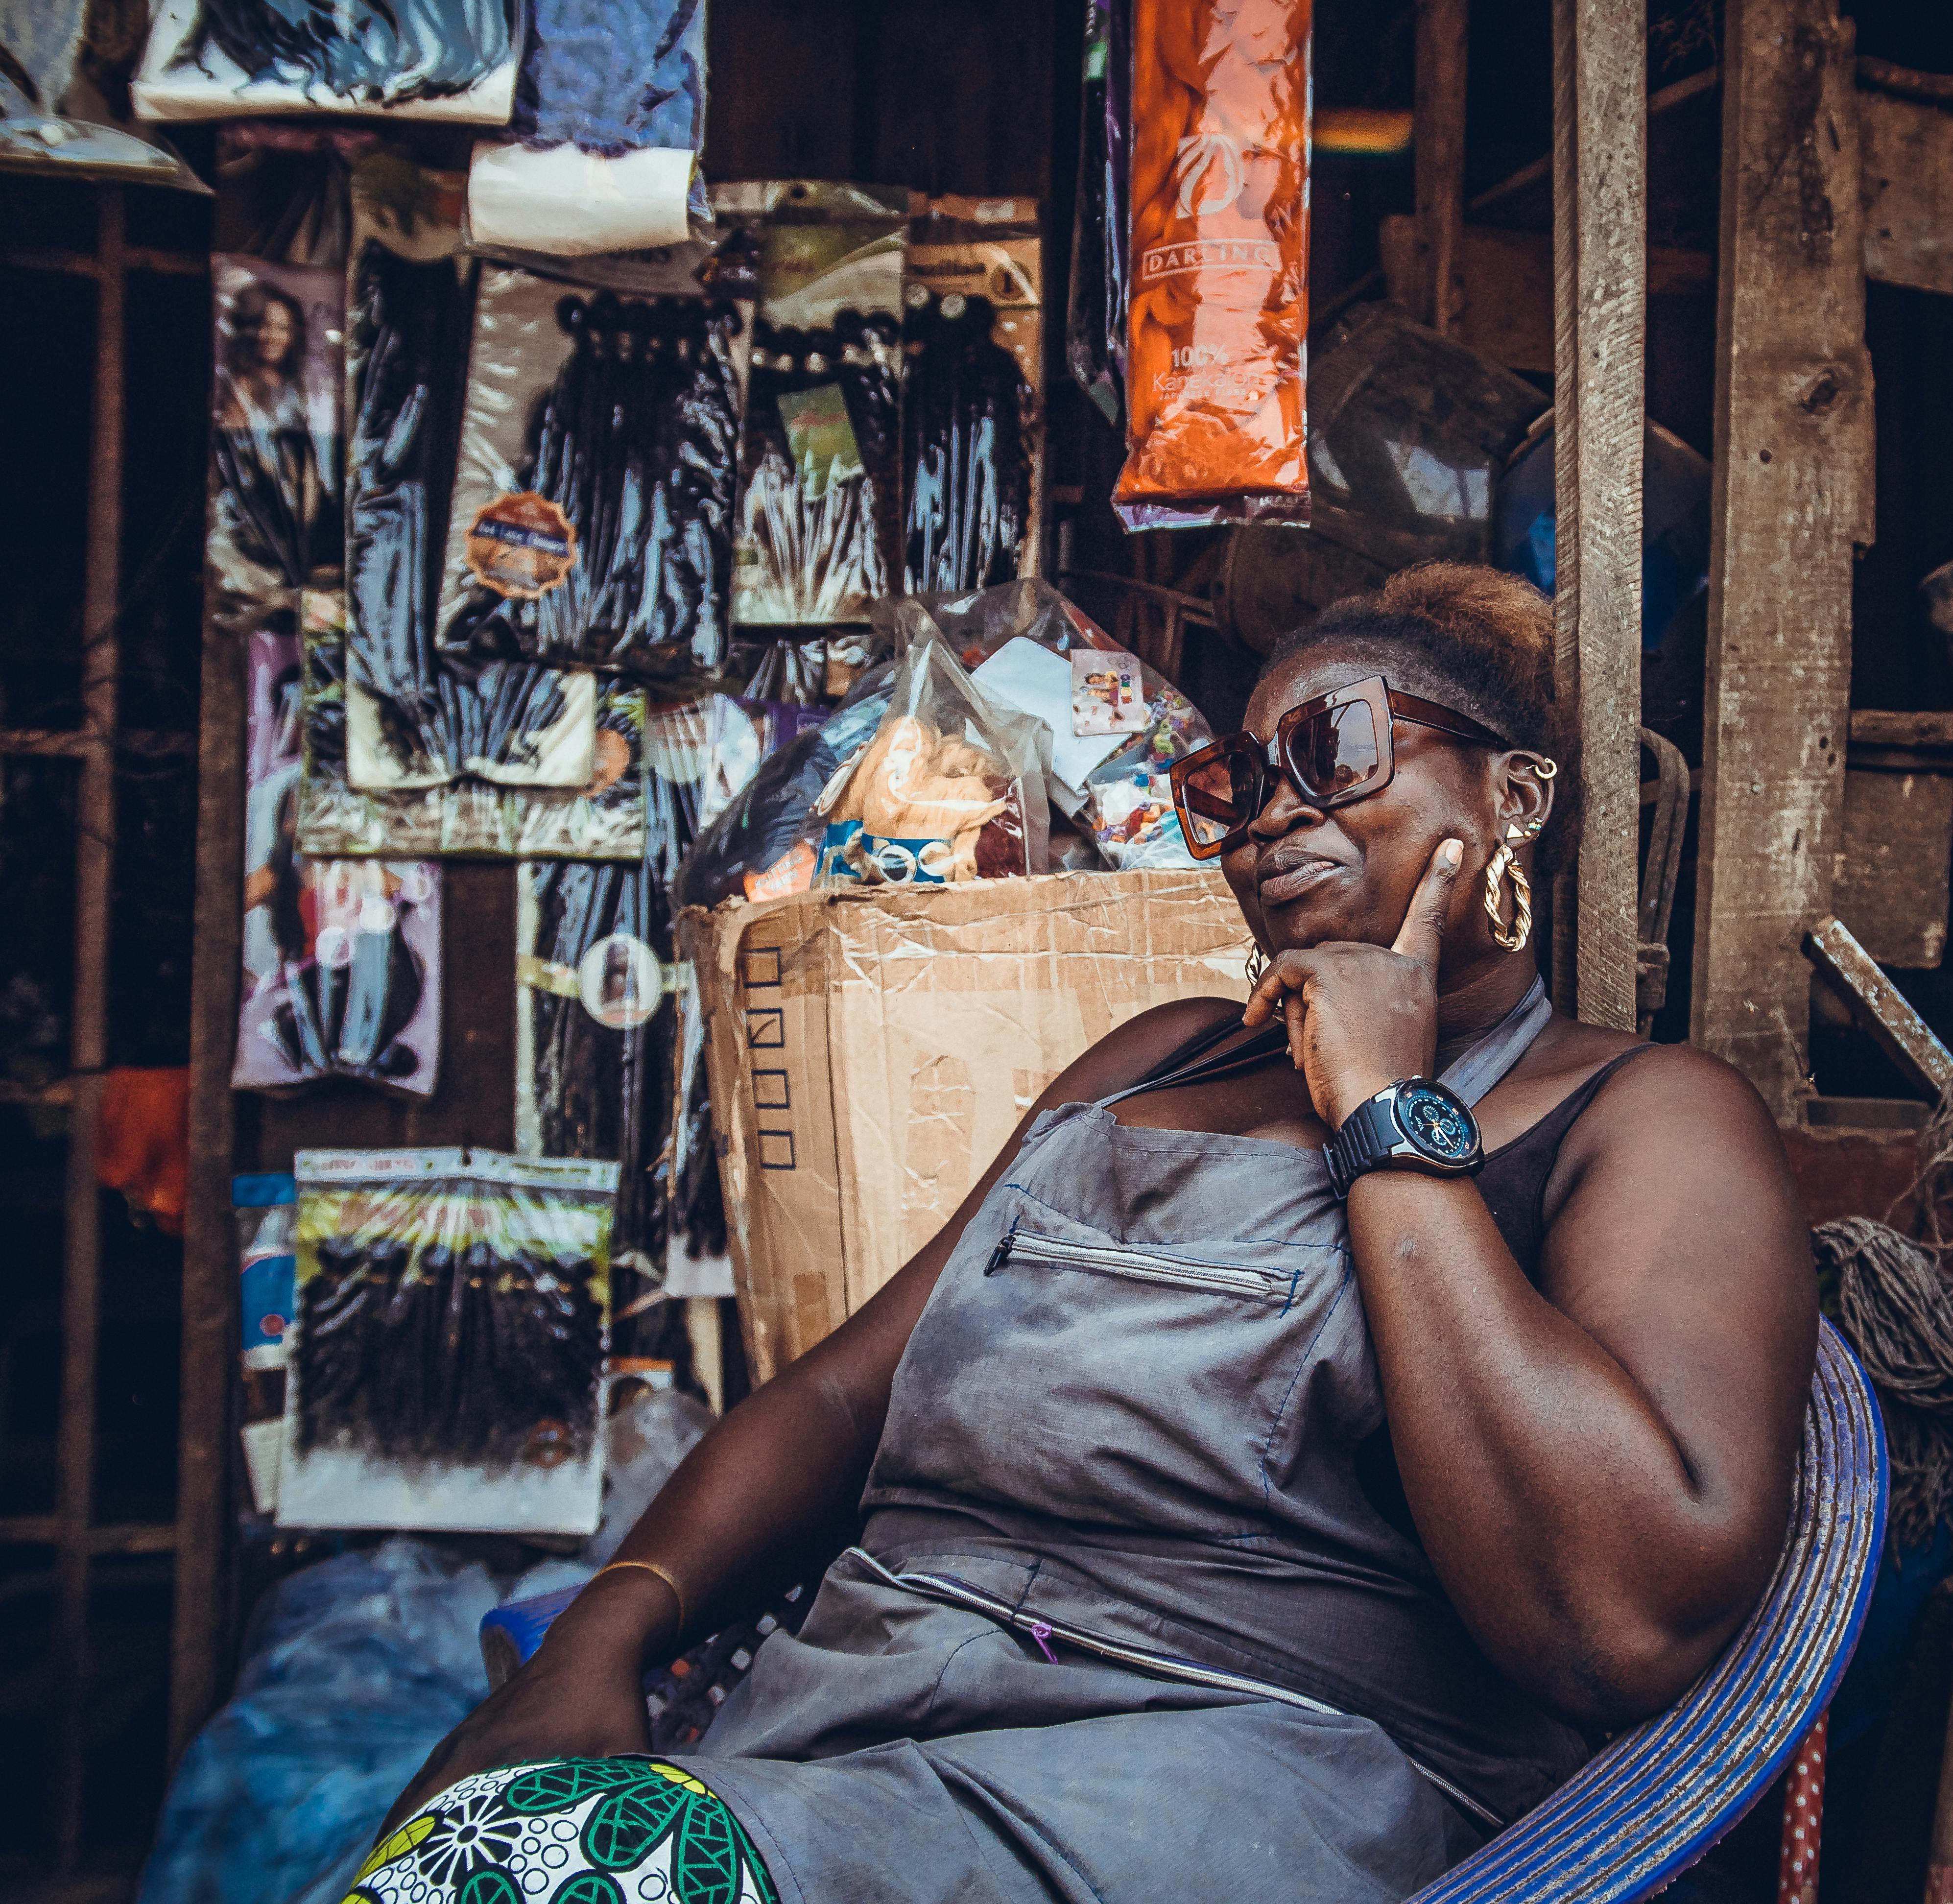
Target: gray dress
{"x": 1137, "y": 1612}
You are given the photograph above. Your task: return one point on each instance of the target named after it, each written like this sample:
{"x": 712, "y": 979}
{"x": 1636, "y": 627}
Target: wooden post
{"x": 1600, "y": 132}
{"x": 1792, "y": 494}
{"x": 1440, "y": 162}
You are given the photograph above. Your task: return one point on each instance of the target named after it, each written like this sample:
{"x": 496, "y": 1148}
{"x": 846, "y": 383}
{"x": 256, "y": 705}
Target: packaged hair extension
{"x": 265, "y": 1209}
{"x": 408, "y": 59}
{"x": 275, "y": 449}
{"x": 973, "y": 374}
{"x": 1217, "y": 317}
{"x": 609, "y": 119}
{"x": 819, "y": 529}
{"x": 1096, "y": 238}
{"x": 591, "y": 520}
{"x": 342, "y": 957}
{"x": 452, "y": 1308}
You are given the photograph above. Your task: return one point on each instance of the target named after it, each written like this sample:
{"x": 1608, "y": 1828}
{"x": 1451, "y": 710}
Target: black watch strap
{"x": 1368, "y": 1135}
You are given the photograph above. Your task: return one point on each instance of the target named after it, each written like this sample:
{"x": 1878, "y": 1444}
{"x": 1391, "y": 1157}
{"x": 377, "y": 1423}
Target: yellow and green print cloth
{"x": 629, "y": 1831}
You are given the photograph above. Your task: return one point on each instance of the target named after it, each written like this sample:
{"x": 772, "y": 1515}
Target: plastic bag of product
{"x": 973, "y": 376}
{"x": 762, "y": 844}
{"x": 342, "y": 958}
{"x": 54, "y": 120}
{"x": 819, "y": 530}
{"x": 1090, "y": 319}
{"x": 430, "y": 59}
{"x": 265, "y": 1210}
{"x": 452, "y": 1307}
{"x": 354, "y": 1670}
{"x": 592, "y": 524}
{"x": 1029, "y": 646}
{"x": 609, "y": 119}
{"x": 593, "y": 1033}
{"x": 951, "y": 787}
{"x": 275, "y": 526}
{"x": 1129, "y": 799}
{"x": 1217, "y": 315}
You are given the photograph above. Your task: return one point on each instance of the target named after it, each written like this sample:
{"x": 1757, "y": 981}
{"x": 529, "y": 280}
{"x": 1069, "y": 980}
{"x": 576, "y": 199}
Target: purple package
{"x": 342, "y": 957}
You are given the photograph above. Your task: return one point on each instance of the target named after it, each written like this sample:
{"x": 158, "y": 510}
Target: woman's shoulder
{"x": 1144, "y": 1045}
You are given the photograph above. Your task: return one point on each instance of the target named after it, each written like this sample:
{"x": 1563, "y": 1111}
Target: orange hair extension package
{"x": 1217, "y": 324}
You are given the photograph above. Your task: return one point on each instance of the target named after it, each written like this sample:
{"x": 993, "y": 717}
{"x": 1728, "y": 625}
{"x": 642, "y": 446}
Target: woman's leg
{"x": 573, "y": 1831}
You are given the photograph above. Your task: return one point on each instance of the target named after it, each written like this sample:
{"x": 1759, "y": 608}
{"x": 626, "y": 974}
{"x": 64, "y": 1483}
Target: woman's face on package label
{"x": 274, "y": 336}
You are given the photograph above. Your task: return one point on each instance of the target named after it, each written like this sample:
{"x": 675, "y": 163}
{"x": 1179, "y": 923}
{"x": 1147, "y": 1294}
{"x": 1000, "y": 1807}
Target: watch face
{"x": 1436, "y": 1122}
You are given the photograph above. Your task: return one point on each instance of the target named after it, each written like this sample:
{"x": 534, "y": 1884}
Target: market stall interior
{"x": 604, "y": 602}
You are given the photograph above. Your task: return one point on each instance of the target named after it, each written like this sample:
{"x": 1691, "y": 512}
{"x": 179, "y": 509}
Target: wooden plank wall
{"x": 1793, "y": 494}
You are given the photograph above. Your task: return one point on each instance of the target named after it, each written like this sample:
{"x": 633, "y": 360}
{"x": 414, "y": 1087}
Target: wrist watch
{"x": 1413, "y": 1125}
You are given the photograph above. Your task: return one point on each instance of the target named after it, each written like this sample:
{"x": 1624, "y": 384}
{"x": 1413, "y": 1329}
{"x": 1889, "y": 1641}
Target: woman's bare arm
{"x": 769, "y": 1494}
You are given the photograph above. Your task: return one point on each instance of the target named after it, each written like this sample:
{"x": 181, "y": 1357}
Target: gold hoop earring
{"x": 1258, "y": 964}
{"x": 1501, "y": 864}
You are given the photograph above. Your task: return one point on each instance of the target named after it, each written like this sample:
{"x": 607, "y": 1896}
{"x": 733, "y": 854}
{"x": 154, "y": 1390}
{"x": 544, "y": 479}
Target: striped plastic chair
{"x": 1657, "y": 1800}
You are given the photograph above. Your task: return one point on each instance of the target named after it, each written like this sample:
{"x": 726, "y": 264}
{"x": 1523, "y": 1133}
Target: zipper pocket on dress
{"x": 1142, "y": 1265}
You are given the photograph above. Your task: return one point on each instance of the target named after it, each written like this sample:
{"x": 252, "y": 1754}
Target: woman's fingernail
{"x": 1450, "y": 854}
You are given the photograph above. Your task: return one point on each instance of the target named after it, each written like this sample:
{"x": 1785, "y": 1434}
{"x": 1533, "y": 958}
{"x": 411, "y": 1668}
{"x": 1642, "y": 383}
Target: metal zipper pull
{"x": 1001, "y": 1254}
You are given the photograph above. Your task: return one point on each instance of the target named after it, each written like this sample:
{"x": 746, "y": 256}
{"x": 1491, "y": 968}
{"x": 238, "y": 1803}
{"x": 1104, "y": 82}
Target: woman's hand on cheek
{"x": 1360, "y": 1016}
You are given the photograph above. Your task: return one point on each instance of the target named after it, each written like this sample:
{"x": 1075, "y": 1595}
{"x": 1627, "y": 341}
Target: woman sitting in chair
{"x": 1318, "y": 1425}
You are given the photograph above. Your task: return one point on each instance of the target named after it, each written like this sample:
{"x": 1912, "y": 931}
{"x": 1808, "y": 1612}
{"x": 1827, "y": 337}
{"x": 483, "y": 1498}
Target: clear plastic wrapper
{"x": 591, "y": 521}
{"x": 973, "y": 377}
{"x": 432, "y": 59}
{"x": 610, "y": 116}
{"x": 761, "y": 844}
{"x": 1090, "y": 318}
{"x": 593, "y": 1050}
{"x": 54, "y": 121}
{"x": 276, "y": 452}
{"x": 1217, "y": 312}
{"x": 820, "y": 524}
{"x": 1020, "y": 641}
{"x": 452, "y": 1307}
{"x": 342, "y": 958}
{"x": 951, "y": 786}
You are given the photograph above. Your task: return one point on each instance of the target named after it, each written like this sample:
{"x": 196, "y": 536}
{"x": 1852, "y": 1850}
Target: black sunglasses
{"x": 1333, "y": 750}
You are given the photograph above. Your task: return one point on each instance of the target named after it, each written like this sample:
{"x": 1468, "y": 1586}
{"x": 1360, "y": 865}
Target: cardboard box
{"x": 869, "y": 1050}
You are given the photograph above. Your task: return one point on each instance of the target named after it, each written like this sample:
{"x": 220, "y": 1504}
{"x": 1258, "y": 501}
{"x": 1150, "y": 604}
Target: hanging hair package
{"x": 592, "y": 513}
{"x": 451, "y": 1316}
{"x": 342, "y": 958}
{"x": 1090, "y": 317}
{"x": 276, "y": 475}
{"x": 430, "y": 59}
{"x": 820, "y": 531}
{"x": 972, "y": 424}
{"x": 1217, "y": 319}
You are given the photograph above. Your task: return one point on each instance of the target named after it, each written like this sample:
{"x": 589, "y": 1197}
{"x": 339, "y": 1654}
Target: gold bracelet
{"x": 649, "y": 1566}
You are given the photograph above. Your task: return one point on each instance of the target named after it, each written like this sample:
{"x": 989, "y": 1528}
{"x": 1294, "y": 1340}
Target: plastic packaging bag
{"x": 591, "y": 522}
{"x": 950, "y": 788}
{"x": 761, "y": 844}
{"x": 275, "y": 526}
{"x": 266, "y": 1209}
{"x": 354, "y": 1670}
{"x": 427, "y": 59}
{"x": 609, "y": 111}
{"x": 820, "y": 511}
{"x": 1019, "y": 640}
{"x": 973, "y": 376}
{"x": 452, "y": 1308}
{"x": 342, "y": 958}
{"x": 594, "y": 1034}
{"x": 1217, "y": 322}
{"x": 53, "y": 120}
{"x": 1090, "y": 319}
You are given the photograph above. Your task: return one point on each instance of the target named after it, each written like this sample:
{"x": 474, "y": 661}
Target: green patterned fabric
{"x": 573, "y": 1831}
